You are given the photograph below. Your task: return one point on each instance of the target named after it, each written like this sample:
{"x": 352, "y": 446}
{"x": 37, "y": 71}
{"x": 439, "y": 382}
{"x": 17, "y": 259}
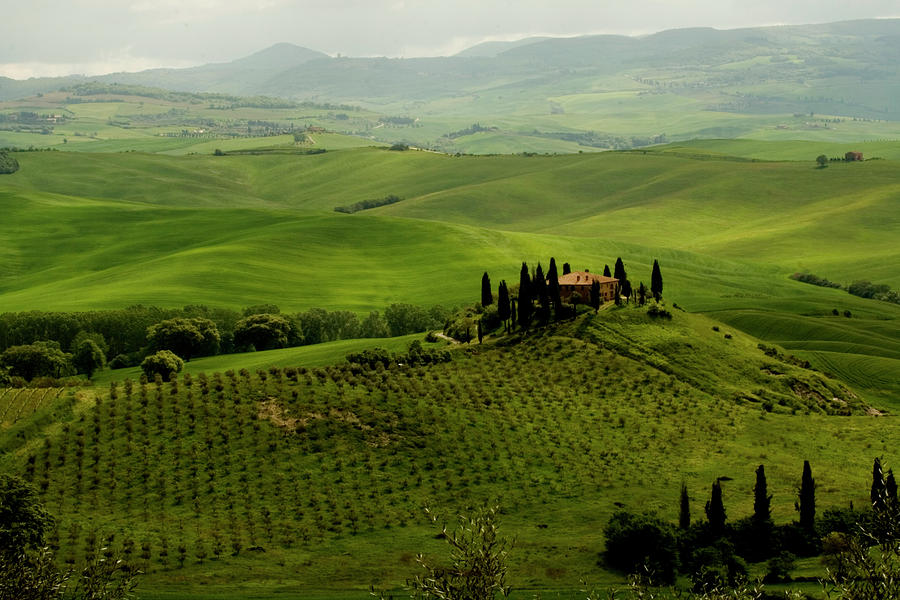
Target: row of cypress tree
{"x": 539, "y": 294}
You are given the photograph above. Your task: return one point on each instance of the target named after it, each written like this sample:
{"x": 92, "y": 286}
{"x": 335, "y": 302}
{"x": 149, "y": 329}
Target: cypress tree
{"x": 553, "y": 287}
{"x": 656, "y": 284}
{"x": 626, "y": 290}
{"x": 642, "y": 294}
{"x": 890, "y": 487}
{"x": 503, "y": 304}
{"x": 606, "y": 271}
{"x": 807, "y": 505}
{"x": 480, "y": 332}
{"x": 595, "y": 295}
{"x": 539, "y": 285}
{"x": 524, "y": 303}
{"x": 566, "y": 269}
{"x": 761, "y": 498}
{"x": 878, "y": 492}
{"x": 684, "y": 512}
{"x": 715, "y": 509}
{"x": 619, "y": 272}
{"x": 486, "y": 297}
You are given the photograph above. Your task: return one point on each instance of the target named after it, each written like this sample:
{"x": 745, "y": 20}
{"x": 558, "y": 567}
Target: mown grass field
{"x": 297, "y": 483}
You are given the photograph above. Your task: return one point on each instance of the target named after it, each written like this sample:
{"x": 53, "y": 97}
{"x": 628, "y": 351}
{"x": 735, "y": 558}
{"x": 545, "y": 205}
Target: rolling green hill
{"x": 312, "y": 481}
{"x": 104, "y": 231}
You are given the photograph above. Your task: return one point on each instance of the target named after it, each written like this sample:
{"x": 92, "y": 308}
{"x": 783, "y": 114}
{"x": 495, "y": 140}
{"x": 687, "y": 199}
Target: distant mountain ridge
{"x": 846, "y": 68}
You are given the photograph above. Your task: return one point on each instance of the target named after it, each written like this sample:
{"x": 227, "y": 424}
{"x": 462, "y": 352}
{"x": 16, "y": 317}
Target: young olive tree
{"x": 477, "y": 567}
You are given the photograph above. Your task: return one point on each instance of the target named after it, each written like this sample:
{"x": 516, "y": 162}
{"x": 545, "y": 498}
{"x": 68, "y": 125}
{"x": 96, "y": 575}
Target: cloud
{"x": 28, "y": 69}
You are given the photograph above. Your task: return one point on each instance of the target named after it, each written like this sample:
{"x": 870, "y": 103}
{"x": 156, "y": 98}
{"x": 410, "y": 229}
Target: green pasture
{"x": 317, "y": 355}
{"x": 787, "y": 149}
{"x": 95, "y": 231}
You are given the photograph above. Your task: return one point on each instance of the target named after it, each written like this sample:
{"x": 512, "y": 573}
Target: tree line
{"x": 38, "y": 344}
{"x": 538, "y": 297}
{"x": 861, "y": 288}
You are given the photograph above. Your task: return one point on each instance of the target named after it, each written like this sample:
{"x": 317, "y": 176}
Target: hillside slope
{"x": 324, "y": 472}
{"x": 105, "y": 231}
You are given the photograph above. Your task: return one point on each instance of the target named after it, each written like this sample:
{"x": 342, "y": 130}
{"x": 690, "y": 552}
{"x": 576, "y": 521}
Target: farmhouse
{"x": 581, "y": 281}
{"x": 853, "y": 156}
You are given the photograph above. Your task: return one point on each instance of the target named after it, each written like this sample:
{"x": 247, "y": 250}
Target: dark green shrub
{"x": 640, "y": 543}
{"x": 8, "y": 164}
{"x": 164, "y": 363}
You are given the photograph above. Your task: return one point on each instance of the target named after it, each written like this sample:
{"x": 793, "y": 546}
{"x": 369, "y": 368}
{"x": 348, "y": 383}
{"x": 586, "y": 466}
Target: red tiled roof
{"x": 584, "y": 278}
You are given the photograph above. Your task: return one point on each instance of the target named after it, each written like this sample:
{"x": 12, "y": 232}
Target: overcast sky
{"x": 56, "y": 37}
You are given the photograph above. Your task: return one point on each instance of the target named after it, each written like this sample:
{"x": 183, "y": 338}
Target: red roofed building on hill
{"x": 581, "y": 281}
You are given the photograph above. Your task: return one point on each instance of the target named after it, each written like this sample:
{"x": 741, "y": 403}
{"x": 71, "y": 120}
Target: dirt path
{"x": 446, "y": 338}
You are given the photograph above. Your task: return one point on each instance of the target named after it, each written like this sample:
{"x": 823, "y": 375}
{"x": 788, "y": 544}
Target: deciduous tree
{"x": 164, "y": 363}
{"x": 88, "y": 357}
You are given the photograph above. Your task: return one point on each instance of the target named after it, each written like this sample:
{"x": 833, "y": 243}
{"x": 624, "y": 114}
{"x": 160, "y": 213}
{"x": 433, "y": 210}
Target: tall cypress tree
{"x": 684, "y": 512}
{"x": 566, "y": 269}
{"x": 486, "y": 297}
{"x": 626, "y": 290}
{"x": 524, "y": 302}
{"x": 539, "y": 285}
{"x": 619, "y": 272}
{"x": 878, "y": 493}
{"x": 503, "y": 304}
{"x": 761, "y": 498}
{"x": 553, "y": 287}
{"x": 715, "y": 509}
{"x": 890, "y": 487}
{"x": 656, "y": 284}
{"x": 595, "y": 295}
{"x": 606, "y": 271}
{"x": 807, "y": 505}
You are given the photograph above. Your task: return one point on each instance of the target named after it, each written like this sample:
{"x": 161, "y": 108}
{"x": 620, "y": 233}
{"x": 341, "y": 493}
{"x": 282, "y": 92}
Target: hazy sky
{"x": 55, "y": 37}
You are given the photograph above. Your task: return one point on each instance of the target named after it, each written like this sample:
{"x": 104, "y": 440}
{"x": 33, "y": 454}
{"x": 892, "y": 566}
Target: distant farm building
{"x": 581, "y": 281}
{"x": 851, "y": 156}
{"x": 315, "y": 129}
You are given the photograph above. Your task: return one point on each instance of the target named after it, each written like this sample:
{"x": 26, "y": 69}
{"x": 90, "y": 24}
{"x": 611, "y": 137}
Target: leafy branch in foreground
{"x": 866, "y": 573}
{"x": 477, "y": 569}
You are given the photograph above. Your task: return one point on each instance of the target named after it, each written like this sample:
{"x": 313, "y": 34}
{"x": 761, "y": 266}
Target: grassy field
{"x": 316, "y": 355}
{"x": 105, "y": 231}
{"x": 614, "y": 408}
{"x": 324, "y": 472}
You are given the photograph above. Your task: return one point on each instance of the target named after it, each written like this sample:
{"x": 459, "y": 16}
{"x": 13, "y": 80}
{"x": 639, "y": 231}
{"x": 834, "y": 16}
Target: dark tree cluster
{"x": 415, "y": 355}
{"x": 714, "y": 552}
{"x": 58, "y": 344}
{"x": 367, "y": 204}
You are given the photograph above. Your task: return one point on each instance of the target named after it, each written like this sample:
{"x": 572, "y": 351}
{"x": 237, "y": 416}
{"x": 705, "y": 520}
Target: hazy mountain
{"x": 492, "y": 49}
{"x": 847, "y": 68}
